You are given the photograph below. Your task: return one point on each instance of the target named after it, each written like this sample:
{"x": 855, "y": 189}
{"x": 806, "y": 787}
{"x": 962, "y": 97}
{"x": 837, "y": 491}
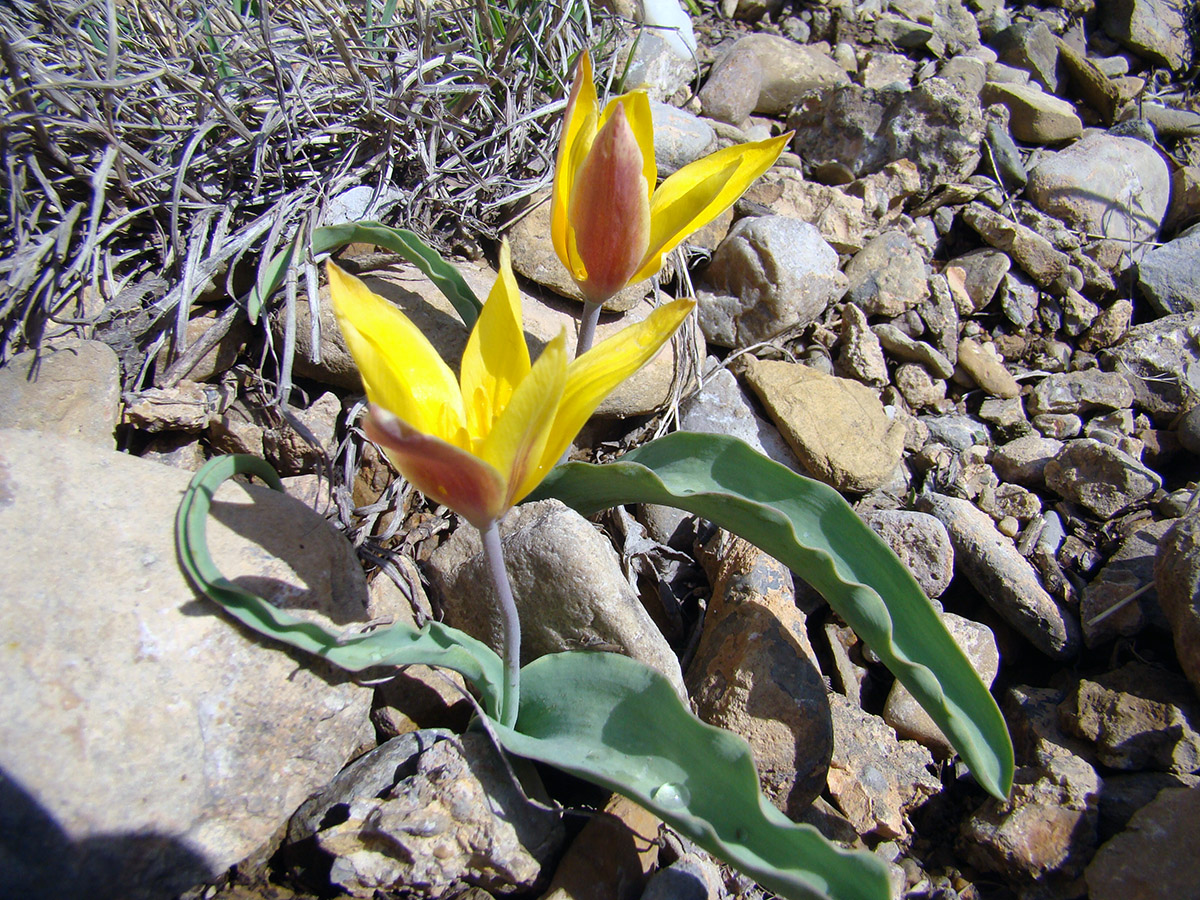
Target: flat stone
{"x": 1091, "y": 82}
{"x": 1034, "y": 116}
{"x": 186, "y": 407}
{"x": 1004, "y": 577}
{"x": 899, "y": 344}
{"x": 73, "y": 390}
{"x": 567, "y": 582}
{"x": 1028, "y": 249}
{"x": 837, "y": 427}
{"x": 1080, "y": 392}
{"x": 771, "y": 273}
{"x": 1032, "y": 47}
{"x": 1099, "y": 477}
{"x": 133, "y": 708}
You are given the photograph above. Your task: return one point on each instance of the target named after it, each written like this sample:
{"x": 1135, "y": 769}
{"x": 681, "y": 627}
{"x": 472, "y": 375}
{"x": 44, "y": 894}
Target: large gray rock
{"x": 679, "y": 137}
{"x": 921, "y": 542}
{"x": 937, "y": 125}
{"x": 786, "y": 71}
{"x": 72, "y": 390}
{"x": 1169, "y": 277}
{"x": 1080, "y": 392}
{"x": 1161, "y": 359}
{"x": 567, "y": 583}
{"x": 1104, "y": 185}
{"x": 147, "y": 742}
{"x": 770, "y": 273}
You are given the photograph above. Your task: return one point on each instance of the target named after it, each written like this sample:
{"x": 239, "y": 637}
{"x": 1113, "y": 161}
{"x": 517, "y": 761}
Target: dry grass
{"x": 156, "y": 152}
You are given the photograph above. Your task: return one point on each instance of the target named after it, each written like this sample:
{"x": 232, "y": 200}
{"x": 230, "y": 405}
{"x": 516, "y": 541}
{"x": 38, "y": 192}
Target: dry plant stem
{"x": 587, "y": 328}
{"x": 510, "y": 699}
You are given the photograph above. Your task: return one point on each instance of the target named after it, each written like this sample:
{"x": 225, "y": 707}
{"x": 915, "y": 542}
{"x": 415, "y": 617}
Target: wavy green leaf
{"x": 396, "y": 645}
{"x": 616, "y": 722}
{"x": 809, "y": 527}
{"x": 329, "y": 237}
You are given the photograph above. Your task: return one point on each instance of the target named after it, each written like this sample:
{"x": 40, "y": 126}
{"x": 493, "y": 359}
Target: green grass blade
{"x": 616, "y": 722}
{"x": 408, "y": 245}
{"x": 810, "y": 528}
{"x": 396, "y": 645}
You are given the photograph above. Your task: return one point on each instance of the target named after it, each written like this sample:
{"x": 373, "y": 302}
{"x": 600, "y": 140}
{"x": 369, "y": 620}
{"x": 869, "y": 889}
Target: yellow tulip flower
{"x": 482, "y": 442}
{"x": 609, "y": 225}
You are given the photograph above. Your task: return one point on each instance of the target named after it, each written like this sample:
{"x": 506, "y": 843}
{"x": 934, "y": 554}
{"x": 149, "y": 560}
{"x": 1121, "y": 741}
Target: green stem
{"x": 510, "y": 698}
{"x": 587, "y": 328}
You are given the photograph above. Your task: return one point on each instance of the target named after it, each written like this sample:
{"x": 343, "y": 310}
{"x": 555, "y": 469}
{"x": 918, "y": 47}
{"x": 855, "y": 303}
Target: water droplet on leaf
{"x": 671, "y": 795}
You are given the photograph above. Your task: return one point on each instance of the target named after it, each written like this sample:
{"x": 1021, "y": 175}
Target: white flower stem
{"x": 510, "y": 697}
{"x": 587, "y": 328}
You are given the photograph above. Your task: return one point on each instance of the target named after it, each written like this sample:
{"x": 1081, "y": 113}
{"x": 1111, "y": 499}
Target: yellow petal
{"x": 700, "y": 191}
{"x": 400, "y": 369}
{"x": 441, "y": 471}
{"x": 518, "y": 441}
{"x": 637, "y": 111}
{"x": 610, "y": 210}
{"x": 496, "y": 357}
{"x": 594, "y": 375}
{"x": 578, "y": 131}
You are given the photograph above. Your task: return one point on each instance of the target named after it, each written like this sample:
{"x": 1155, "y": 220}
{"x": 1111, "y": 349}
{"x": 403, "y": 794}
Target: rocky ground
{"x": 967, "y": 299}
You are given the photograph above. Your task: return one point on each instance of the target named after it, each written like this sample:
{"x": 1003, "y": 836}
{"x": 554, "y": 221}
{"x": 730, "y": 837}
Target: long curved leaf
{"x": 397, "y": 645}
{"x": 809, "y": 527}
{"x": 618, "y": 723}
{"x": 329, "y": 237}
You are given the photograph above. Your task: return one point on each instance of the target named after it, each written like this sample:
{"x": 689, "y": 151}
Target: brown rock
{"x": 1156, "y": 856}
{"x": 874, "y": 778}
{"x": 754, "y": 672}
{"x": 612, "y": 857}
